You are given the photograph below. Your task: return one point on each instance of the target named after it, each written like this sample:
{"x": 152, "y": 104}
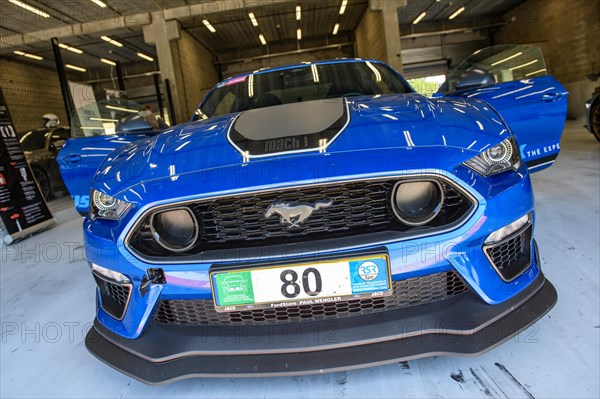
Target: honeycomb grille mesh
{"x": 512, "y": 256}
{"x": 406, "y": 293}
{"x": 356, "y": 208}
{"x": 114, "y": 297}
{"x": 119, "y": 293}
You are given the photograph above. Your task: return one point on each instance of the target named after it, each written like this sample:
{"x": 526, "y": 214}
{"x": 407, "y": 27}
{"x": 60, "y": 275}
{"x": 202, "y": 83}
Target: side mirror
{"x": 57, "y": 145}
{"x": 475, "y": 78}
{"x": 132, "y": 124}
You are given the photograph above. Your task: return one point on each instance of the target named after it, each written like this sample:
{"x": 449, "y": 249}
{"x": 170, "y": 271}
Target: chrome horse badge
{"x": 294, "y": 215}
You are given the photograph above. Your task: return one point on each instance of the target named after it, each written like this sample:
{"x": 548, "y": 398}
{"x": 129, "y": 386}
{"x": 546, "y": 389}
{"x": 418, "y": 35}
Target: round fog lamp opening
{"x": 175, "y": 230}
{"x": 416, "y": 203}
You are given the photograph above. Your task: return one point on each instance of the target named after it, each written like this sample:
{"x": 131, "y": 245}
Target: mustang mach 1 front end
{"x": 313, "y": 218}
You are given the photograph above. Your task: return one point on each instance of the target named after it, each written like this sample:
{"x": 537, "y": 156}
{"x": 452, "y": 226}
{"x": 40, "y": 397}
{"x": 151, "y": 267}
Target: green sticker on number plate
{"x": 234, "y": 288}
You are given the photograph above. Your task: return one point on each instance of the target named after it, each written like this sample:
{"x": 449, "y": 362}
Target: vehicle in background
{"x": 98, "y": 129}
{"x": 41, "y": 147}
{"x": 592, "y": 107}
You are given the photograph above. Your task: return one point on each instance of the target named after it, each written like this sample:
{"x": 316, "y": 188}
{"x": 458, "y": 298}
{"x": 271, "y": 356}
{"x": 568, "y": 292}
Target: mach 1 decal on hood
{"x": 289, "y": 128}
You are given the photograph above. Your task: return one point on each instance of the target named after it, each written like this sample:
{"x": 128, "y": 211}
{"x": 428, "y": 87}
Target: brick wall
{"x": 568, "y": 32}
{"x": 30, "y": 92}
{"x": 197, "y": 71}
{"x": 370, "y": 38}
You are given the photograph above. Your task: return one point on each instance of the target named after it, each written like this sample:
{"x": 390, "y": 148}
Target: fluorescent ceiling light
{"x": 120, "y": 108}
{"x": 298, "y": 13}
{"x": 104, "y": 119}
{"x": 75, "y": 68}
{"x": 29, "y": 8}
{"x": 67, "y": 47}
{"x": 343, "y": 6}
{"x": 144, "y": 56}
{"x": 262, "y": 39}
{"x": 336, "y": 27}
{"x": 420, "y": 17}
{"x": 250, "y": 87}
{"x": 375, "y": 71}
{"x": 253, "y": 18}
{"x": 208, "y": 25}
{"x": 111, "y": 41}
{"x": 99, "y": 3}
{"x": 538, "y": 71}
{"x": 456, "y": 13}
{"x": 109, "y": 62}
{"x": 299, "y": 34}
{"x": 523, "y": 65}
{"x": 507, "y": 58}
{"x": 315, "y": 73}
{"x": 32, "y": 56}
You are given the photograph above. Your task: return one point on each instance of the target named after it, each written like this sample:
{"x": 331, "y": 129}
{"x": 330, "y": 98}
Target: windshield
{"x": 505, "y": 63}
{"x": 308, "y": 82}
{"x": 34, "y": 140}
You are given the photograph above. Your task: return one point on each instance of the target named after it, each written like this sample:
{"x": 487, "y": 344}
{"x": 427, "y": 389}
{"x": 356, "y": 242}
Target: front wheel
{"x": 595, "y": 119}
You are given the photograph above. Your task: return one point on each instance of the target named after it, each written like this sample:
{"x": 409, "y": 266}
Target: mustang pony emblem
{"x": 294, "y": 215}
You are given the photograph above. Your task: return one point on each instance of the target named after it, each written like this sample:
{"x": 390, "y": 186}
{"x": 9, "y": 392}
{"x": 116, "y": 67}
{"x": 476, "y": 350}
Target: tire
{"x": 43, "y": 183}
{"x": 595, "y": 119}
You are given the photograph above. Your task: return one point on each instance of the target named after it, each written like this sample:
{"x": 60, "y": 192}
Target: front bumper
{"x": 463, "y": 325}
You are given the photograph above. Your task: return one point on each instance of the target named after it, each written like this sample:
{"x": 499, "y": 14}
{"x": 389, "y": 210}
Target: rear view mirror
{"x": 475, "y": 78}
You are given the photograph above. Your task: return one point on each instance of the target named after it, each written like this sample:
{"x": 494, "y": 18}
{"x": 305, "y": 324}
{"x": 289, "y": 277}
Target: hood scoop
{"x": 289, "y": 128}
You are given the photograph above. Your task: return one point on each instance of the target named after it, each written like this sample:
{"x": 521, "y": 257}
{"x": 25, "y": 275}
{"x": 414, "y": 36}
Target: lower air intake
{"x": 406, "y": 293}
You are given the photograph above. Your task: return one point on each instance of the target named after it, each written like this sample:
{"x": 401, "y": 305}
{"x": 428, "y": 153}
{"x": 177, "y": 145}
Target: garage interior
{"x": 170, "y": 53}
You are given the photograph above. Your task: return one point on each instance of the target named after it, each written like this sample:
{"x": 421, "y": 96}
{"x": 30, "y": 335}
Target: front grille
{"x": 358, "y": 208}
{"x": 406, "y": 293}
{"x": 513, "y": 255}
{"x": 114, "y": 296}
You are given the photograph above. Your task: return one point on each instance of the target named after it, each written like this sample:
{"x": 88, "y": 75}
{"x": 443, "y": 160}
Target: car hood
{"x": 408, "y": 122}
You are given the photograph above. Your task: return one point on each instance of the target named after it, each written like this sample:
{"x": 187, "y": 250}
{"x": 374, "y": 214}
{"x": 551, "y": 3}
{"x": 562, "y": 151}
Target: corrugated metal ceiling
{"x": 234, "y": 31}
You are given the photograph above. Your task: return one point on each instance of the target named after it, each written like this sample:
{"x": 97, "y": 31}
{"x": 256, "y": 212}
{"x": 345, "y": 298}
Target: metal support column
{"x": 62, "y": 78}
{"x": 158, "y": 95}
{"x": 120, "y": 79}
{"x": 170, "y": 99}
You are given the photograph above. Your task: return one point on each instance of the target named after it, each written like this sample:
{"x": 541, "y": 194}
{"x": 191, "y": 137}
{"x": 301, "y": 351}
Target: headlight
{"x": 500, "y": 158}
{"x": 104, "y": 206}
{"x": 418, "y": 202}
{"x": 175, "y": 229}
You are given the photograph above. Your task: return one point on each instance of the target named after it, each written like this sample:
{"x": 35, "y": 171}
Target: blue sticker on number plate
{"x": 369, "y": 275}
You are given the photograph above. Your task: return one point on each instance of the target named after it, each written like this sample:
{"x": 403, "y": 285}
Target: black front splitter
{"x": 461, "y": 326}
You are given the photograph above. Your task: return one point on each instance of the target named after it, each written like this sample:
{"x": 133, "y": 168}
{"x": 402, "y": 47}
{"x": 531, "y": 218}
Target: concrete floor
{"x": 47, "y": 305}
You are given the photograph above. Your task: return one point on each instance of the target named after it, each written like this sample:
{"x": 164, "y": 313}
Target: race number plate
{"x": 301, "y": 284}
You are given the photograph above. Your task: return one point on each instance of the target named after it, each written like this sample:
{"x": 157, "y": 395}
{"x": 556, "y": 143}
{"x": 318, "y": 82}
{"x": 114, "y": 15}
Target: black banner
{"x": 23, "y": 210}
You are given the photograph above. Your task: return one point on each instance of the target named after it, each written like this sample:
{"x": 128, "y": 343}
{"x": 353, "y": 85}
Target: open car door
{"x": 513, "y": 80}
{"x": 99, "y": 129}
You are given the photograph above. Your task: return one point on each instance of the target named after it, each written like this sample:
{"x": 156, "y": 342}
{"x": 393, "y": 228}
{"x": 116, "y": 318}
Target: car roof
{"x": 302, "y": 64}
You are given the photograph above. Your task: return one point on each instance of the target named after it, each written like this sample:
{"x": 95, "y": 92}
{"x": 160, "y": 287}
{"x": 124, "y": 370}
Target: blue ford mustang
{"x": 324, "y": 216}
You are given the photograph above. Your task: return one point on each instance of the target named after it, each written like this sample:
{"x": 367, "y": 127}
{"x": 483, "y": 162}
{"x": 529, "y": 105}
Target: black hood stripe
{"x": 289, "y": 128}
